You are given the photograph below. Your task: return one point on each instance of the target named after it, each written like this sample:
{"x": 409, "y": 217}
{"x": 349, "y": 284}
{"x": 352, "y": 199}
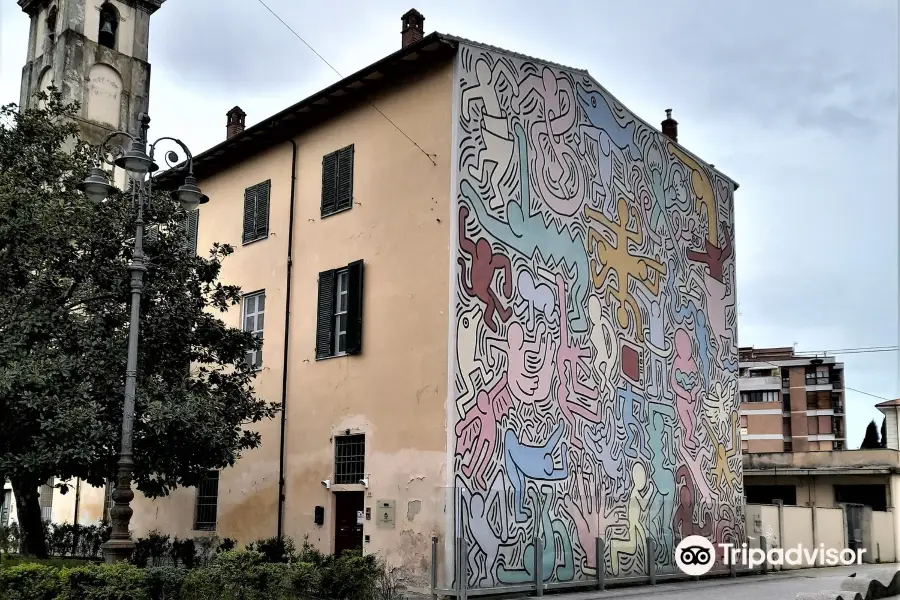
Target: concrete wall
{"x": 883, "y": 536}
{"x": 594, "y": 363}
{"x": 816, "y": 527}
{"x": 394, "y": 391}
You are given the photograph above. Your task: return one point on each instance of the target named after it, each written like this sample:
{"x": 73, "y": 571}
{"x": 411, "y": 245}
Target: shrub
{"x": 121, "y": 581}
{"x": 275, "y": 550}
{"x": 164, "y": 583}
{"x": 151, "y": 550}
{"x": 183, "y": 553}
{"x": 29, "y": 582}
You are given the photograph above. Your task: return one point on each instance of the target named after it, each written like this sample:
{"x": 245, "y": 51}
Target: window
{"x": 349, "y": 458}
{"x": 5, "y": 508}
{"x": 788, "y": 447}
{"x": 818, "y": 376}
{"x": 770, "y": 396}
{"x": 51, "y": 24}
{"x": 108, "y": 500}
{"x": 339, "y": 318}
{"x": 46, "y": 499}
{"x": 256, "y": 212}
{"x": 207, "y": 502}
{"x": 337, "y": 181}
{"x": 189, "y": 226}
{"x": 109, "y": 25}
{"x": 254, "y": 317}
{"x": 786, "y": 402}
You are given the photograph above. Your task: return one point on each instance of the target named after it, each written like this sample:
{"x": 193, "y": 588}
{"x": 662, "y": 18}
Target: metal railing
{"x": 459, "y": 586}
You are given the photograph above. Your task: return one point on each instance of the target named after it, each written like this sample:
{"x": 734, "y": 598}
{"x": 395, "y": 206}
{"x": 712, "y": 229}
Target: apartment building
{"x": 790, "y": 403}
{"x": 464, "y": 263}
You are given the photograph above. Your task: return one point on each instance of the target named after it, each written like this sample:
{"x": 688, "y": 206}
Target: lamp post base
{"x": 117, "y": 550}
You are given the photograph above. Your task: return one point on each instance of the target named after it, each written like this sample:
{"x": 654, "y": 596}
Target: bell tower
{"x": 95, "y": 53}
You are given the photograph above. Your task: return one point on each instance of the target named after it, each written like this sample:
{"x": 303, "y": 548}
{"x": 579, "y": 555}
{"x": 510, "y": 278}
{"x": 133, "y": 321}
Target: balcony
{"x": 749, "y": 384}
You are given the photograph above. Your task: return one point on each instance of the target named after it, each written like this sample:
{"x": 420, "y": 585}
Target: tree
{"x": 871, "y": 438}
{"x": 64, "y": 312}
{"x": 884, "y": 432}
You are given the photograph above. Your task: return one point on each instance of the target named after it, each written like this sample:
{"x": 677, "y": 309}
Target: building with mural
{"x": 496, "y": 305}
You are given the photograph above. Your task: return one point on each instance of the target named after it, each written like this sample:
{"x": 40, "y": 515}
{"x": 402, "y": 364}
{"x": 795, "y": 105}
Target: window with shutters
{"x": 339, "y": 319}
{"x": 256, "y": 212}
{"x": 254, "y": 319}
{"x": 189, "y": 227}
{"x": 207, "y": 506}
{"x": 337, "y": 181}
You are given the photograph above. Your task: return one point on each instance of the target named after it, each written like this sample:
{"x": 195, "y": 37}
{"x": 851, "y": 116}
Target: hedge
{"x": 230, "y": 575}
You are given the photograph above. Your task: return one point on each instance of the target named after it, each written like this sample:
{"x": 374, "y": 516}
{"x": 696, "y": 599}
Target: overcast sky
{"x": 794, "y": 99}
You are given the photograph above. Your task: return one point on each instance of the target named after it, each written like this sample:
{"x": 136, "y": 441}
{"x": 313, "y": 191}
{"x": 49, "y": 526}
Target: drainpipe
{"x": 287, "y": 330}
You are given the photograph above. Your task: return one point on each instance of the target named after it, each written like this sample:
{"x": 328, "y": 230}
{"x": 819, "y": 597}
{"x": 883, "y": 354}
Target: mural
{"x": 596, "y": 392}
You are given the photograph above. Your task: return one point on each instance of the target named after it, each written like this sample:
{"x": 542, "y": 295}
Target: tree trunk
{"x": 29, "y": 512}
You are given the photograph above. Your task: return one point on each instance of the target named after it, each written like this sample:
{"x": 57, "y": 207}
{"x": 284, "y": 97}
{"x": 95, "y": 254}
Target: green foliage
{"x": 275, "y": 550}
{"x": 230, "y": 575}
{"x": 30, "y": 582}
{"x": 871, "y": 441}
{"x": 64, "y": 315}
{"x": 120, "y": 581}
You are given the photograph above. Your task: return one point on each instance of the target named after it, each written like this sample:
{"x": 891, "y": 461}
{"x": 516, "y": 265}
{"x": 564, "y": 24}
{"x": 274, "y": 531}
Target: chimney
{"x": 670, "y": 126}
{"x": 413, "y": 27}
{"x": 235, "y": 122}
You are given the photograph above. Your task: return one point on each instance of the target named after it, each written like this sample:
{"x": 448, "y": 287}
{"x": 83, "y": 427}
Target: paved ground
{"x": 784, "y": 585}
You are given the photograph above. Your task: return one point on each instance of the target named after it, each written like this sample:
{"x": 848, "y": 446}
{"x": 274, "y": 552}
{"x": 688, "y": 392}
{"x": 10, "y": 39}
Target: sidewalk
{"x": 781, "y": 585}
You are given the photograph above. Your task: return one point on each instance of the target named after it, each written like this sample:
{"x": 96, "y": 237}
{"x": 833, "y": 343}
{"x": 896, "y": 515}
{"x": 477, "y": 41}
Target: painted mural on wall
{"x": 596, "y": 390}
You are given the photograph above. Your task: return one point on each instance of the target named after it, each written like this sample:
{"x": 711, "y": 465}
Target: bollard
{"x": 601, "y": 564}
{"x": 538, "y": 568}
{"x": 764, "y": 546}
{"x": 434, "y": 579}
{"x": 651, "y": 562}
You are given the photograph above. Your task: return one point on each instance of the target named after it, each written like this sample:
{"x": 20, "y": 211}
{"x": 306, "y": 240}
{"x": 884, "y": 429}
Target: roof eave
{"x": 289, "y": 119}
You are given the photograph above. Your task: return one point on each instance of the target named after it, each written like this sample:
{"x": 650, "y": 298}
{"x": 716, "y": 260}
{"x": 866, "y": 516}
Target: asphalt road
{"x": 784, "y": 585}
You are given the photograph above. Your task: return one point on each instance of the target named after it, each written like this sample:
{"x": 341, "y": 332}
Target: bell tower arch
{"x": 95, "y": 53}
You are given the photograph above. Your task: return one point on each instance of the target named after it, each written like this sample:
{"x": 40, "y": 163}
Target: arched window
{"x": 109, "y": 24}
{"x": 51, "y": 24}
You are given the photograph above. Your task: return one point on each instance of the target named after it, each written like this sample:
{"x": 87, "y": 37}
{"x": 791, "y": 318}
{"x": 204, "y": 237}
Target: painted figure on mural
{"x": 595, "y": 351}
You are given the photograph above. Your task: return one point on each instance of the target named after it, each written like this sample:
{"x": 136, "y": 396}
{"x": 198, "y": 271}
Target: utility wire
{"x": 846, "y": 387}
{"x": 862, "y": 350}
{"x": 330, "y": 66}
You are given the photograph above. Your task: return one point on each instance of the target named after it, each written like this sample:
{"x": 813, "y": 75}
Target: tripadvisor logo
{"x": 695, "y": 556}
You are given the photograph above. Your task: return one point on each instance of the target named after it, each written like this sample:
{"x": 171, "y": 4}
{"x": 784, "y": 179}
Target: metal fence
{"x": 459, "y": 585}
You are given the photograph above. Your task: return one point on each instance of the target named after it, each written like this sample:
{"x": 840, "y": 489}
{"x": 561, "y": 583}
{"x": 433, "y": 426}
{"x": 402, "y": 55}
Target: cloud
{"x": 799, "y": 105}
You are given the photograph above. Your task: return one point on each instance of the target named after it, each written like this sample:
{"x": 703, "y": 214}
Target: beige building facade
{"x": 484, "y": 317}
{"x": 791, "y": 403}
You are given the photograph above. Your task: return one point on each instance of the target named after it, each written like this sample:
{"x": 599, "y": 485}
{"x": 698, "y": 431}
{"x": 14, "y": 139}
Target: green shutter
{"x": 329, "y": 183}
{"x": 193, "y": 224}
{"x": 345, "y": 178}
{"x": 249, "y": 214}
{"x": 262, "y": 208}
{"x": 325, "y": 315}
{"x": 354, "y": 307}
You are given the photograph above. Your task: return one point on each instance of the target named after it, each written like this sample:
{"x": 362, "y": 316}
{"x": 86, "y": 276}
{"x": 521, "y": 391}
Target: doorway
{"x": 348, "y": 524}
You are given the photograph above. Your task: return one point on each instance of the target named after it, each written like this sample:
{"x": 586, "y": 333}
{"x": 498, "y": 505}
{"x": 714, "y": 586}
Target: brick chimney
{"x": 236, "y": 119}
{"x": 670, "y": 126}
{"x": 413, "y": 27}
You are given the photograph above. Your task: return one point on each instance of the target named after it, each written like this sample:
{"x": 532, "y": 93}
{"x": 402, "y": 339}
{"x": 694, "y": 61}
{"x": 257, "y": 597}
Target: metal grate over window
{"x": 207, "y": 502}
{"x": 349, "y": 458}
{"x": 46, "y": 499}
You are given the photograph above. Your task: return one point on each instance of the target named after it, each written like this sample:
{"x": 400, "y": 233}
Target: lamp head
{"x": 136, "y": 161}
{"x": 96, "y": 185}
{"x": 189, "y": 194}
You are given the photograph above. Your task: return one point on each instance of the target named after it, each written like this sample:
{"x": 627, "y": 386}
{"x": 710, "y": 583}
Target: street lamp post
{"x": 140, "y": 166}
